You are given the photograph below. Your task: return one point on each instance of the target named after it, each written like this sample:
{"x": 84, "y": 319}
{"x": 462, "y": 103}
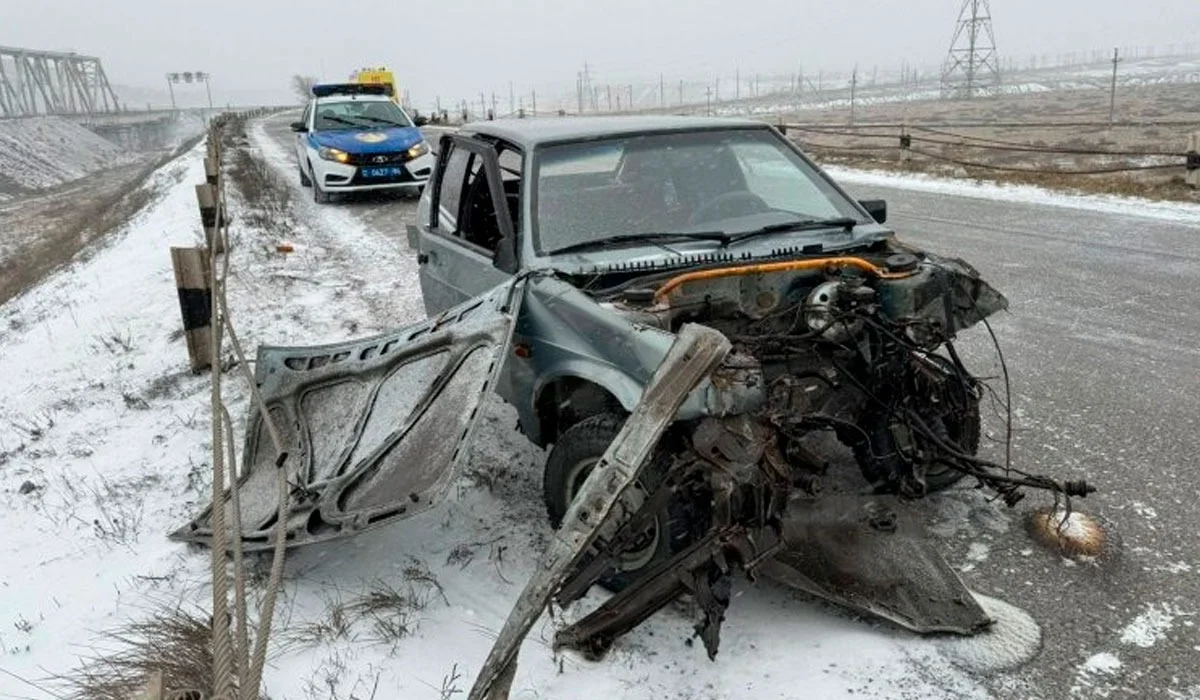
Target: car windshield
{"x": 732, "y": 181}
{"x": 359, "y": 114}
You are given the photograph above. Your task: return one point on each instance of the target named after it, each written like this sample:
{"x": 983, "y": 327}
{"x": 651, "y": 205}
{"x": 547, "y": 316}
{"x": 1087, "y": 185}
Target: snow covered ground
{"x": 42, "y": 152}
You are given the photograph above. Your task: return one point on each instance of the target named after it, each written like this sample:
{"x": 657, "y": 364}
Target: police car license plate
{"x": 392, "y": 171}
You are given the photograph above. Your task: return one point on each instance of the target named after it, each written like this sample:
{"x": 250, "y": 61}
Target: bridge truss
{"x": 50, "y": 83}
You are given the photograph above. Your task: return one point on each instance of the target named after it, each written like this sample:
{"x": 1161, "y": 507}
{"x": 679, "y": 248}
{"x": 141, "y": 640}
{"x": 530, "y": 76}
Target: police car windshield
{"x": 359, "y": 114}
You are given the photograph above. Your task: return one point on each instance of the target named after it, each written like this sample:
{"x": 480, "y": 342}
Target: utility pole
{"x": 718, "y": 91}
{"x": 756, "y": 84}
{"x": 579, "y": 90}
{"x": 482, "y": 106}
{"x": 853, "y": 86}
{"x": 1112, "y": 95}
{"x": 631, "y": 97}
{"x": 681, "y": 92}
{"x": 662, "y": 91}
{"x": 512, "y": 106}
{"x": 533, "y": 106}
{"x": 608, "y": 88}
{"x": 493, "y": 104}
{"x": 708, "y": 100}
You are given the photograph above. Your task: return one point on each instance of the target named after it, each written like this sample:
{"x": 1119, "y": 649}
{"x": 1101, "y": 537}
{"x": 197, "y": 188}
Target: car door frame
{"x": 432, "y": 239}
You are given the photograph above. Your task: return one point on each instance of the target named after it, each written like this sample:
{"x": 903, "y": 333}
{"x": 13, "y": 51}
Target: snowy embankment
{"x": 104, "y": 449}
{"x": 41, "y": 152}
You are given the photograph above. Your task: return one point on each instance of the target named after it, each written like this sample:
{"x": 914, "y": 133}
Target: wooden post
{"x": 195, "y": 303}
{"x": 1193, "y": 160}
{"x": 154, "y": 687}
{"x": 212, "y": 215}
{"x": 212, "y": 168}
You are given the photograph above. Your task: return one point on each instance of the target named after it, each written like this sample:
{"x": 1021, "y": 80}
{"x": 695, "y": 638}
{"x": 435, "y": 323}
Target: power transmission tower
{"x": 972, "y": 65}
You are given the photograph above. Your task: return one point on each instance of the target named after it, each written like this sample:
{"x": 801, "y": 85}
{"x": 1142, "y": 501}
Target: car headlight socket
{"x": 334, "y": 154}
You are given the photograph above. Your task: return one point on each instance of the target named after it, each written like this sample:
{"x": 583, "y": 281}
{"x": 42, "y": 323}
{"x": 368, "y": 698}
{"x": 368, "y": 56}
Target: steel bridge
{"x": 34, "y": 83}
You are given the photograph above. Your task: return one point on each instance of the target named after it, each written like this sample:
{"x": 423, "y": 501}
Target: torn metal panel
{"x": 696, "y": 351}
{"x": 375, "y": 428}
{"x": 870, "y": 554}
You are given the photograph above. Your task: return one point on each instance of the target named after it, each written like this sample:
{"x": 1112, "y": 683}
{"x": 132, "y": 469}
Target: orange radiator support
{"x": 783, "y": 266}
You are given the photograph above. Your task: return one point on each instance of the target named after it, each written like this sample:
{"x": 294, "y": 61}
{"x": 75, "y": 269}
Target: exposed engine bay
{"x": 861, "y": 347}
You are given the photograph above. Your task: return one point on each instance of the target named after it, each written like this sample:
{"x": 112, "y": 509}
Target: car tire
{"x": 305, "y": 181}
{"x": 574, "y": 454}
{"x": 320, "y": 196}
{"x": 876, "y": 449}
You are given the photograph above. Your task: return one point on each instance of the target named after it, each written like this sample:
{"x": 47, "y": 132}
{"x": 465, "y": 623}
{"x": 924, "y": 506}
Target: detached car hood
{"x": 368, "y": 140}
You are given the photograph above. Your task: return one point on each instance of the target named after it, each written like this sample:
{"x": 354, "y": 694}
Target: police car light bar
{"x": 348, "y": 89}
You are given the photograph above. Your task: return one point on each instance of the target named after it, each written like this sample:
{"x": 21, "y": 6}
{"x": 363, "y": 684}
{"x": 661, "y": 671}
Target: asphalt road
{"x": 1101, "y": 342}
{"x": 1101, "y": 345}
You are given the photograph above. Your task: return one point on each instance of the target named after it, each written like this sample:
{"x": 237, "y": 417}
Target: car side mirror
{"x": 299, "y": 127}
{"x": 877, "y": 208}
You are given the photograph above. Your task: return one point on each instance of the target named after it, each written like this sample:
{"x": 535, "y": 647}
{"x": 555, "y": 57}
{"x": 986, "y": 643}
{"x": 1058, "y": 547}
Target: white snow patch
{"x": 1013, "y": 640}
{"x": 1180, "y": 212}
{"x": 1150, "y": 627}
{"x": 1102, "y": 663}
{"x": 41, "y": 152}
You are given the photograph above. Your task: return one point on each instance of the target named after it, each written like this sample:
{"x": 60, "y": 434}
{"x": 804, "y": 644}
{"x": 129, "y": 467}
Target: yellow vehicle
{"x": 379, "y": 75}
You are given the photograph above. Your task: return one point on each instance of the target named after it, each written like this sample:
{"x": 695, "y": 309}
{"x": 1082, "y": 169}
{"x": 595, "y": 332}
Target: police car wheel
{"x": 305, "y": 181}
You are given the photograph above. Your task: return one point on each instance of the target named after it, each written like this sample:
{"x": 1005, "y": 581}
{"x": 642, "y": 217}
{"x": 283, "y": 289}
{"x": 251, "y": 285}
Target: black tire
{"x": 876, "y": 450}
{"x": 566, "y": 468}
{"x": 305, "y": 181}
{"x": 320, "y": 196}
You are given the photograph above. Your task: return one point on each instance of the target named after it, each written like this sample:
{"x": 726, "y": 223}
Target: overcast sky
{"x": 455, "y": 48}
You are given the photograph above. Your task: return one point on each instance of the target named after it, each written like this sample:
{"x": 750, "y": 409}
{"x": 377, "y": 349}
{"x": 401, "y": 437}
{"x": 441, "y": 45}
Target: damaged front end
{"x": 860, "y": 347}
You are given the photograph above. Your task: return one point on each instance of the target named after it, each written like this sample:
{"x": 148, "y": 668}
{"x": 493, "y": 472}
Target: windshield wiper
{"x": 843, "y": 222}
{"x": 379, "y": 120}
{"x": 339, "y": 120}
{"x": 627, "y": 238}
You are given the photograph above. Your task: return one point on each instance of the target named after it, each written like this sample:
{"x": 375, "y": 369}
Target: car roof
{"x": 545, "y": 130}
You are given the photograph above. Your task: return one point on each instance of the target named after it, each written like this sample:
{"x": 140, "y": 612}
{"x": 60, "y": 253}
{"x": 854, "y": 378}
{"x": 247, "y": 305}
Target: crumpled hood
{"x": 368, "y": 140}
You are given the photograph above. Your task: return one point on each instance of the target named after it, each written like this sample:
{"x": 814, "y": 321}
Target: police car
{"x": 353, "y": 137}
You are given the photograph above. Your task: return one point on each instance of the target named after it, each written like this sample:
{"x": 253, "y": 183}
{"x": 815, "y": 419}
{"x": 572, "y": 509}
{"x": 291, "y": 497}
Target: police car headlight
{"x": 334, "y": 154}
{"x": 418, "y": 150}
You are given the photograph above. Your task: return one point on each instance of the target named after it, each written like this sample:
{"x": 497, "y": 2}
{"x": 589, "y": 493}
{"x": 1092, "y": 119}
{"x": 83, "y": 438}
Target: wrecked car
{"x": 675, "y": 307}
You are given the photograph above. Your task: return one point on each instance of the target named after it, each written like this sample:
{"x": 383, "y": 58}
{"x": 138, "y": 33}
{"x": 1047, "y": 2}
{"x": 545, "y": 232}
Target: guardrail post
{"x": 1193, "y": 160}
{"x": 195, "y": 303}
{"x": 905, "y": 145}
{"x": 212, "y": 215}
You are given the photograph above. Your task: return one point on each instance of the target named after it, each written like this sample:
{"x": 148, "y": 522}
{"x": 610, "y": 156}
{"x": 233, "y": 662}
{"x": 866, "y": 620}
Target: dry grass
{"x": 174, "y": 641}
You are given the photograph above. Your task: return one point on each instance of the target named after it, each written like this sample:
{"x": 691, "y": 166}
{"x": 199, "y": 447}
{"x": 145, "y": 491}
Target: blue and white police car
{"x": 353, "y": 137}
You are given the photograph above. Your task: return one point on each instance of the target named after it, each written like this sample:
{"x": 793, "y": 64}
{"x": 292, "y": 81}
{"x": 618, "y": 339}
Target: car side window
{"x": 450, "y": 190}
{"x": 512, "y": 165}
{"x": 478, "y": 224}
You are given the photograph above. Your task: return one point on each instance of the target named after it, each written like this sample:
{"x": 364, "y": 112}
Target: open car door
{"x": 375, "y": 429}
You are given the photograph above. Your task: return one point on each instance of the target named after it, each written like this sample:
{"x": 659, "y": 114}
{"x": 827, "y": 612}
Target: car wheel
{"x": 305, "y": 181}
{"x": 877, "y": 452}
{"x": 573, "y": 457}
{"x": 320, "y": 196}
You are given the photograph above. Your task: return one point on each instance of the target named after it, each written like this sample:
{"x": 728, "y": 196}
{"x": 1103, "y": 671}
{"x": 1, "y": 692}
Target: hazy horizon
{"x": 457, "y": 48}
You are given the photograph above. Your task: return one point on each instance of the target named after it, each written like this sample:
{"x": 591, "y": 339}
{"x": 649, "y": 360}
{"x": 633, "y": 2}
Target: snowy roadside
{"x": 1181, "y": 212}
{"x": 103, "y": 449}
